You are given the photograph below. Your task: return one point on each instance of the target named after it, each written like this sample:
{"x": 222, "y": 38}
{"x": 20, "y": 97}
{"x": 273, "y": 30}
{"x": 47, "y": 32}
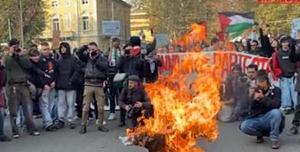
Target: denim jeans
{"x": 66, "y": 105}
{"x": 19, "y": 95}
{"x": 288, "y": 93}
{"x": 269, "y": 124}
{"x": 48, "y": 107}
{"x": 20, "y": 118}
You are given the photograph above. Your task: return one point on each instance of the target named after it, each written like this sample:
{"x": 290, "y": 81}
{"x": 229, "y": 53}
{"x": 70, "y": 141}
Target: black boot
{"x": 102, "y": 129}
{"x": 82, "y": 129}
{"x": 4, "y": 138}
{"x": 122, "y": 124}
{"x": 293, "y": 131}
{"x": 259, "y": 139}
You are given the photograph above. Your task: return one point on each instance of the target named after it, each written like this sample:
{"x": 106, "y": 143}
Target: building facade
{"x": 140, "y": 24}
{"x": 80, "y": 21}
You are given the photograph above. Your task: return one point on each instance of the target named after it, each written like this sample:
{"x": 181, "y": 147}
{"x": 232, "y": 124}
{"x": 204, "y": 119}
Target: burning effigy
{"x": 186, "y": 103}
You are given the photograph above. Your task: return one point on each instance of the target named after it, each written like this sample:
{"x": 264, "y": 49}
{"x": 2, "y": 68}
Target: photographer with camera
{"x": 134, "y": 100}
{"x": 95, "y": 76}
{"x": 16, "y": 67}
{"x": 265, "y": 118}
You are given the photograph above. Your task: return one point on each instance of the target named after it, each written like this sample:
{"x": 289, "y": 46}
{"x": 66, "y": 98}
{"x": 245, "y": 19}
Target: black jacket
{"x": 295, "y": 57}
{"x": 265, "y": 44}
{"x": 48, "y": 65}
{"x": 67, "y": 72}
{"x": 272, "y": 100}
{"x": 130, "y": 96}
{"x": 35, "y": 74}
{"x": 288, "y": 67}
{"x": 96, "y": 70}
{"x": 80, "y": 74}
{"x": 151, "y": 76}
{"x": 131, "y": 65}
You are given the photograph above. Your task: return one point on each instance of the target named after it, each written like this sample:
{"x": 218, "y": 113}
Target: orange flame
{"x": 185, "y": 105}
{"x": 193, "y": 37}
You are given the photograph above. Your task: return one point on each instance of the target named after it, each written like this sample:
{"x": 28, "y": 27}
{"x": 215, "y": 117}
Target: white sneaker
{"x": 111, "y": 117}
{"x": 16, "y": 136}
{"x": 106, "y": 108}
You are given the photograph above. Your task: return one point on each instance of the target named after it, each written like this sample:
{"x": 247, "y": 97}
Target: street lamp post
{"x": 9, "y": 29}
{"x": 21, "y": 23}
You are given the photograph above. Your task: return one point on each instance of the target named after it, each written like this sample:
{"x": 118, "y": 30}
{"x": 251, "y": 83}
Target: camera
{"x": 258, "y": 89}
{"x": 93, "y": 53}
{"x": 18, "y": 50}
{"x": 127, "y": 51}
{"x": 133, "y": 111}
{"x": 130, "y": 112}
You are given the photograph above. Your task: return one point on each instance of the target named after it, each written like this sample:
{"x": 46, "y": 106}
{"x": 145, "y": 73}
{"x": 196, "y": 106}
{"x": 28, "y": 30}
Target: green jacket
{"x": 14, "y": 72}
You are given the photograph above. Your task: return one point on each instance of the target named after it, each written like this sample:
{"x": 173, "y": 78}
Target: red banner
{"x": 226, "y": 59}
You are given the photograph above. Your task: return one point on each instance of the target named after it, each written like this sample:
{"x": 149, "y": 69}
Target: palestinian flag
{"x": 235, "y": 24}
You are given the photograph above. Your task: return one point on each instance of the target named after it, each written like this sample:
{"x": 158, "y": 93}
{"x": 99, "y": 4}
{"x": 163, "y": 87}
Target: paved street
{"x": 66, "y": 140}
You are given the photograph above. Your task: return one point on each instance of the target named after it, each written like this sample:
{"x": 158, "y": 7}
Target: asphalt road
{"x": 66, "y": 140}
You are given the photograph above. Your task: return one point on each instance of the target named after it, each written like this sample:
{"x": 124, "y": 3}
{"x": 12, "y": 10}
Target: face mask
{"x": 93, "y": 53}
{"x": 127, "y": 52}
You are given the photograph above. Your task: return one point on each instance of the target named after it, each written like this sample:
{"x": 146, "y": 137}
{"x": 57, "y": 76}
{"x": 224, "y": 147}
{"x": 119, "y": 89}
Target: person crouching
{"x": 134, "y": 100}
{"x": 265, "y": 119}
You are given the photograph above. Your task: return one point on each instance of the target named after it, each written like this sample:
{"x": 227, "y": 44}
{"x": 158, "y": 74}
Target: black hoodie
{"x": 67, "y": 70}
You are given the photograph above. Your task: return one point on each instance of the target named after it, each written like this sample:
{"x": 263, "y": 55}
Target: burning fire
{"x": 192, "y": 38}
{"x": 186, "y": 103}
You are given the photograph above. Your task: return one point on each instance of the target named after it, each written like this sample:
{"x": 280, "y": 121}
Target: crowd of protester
{"x": 254, "y": 99}
{"x": 56, "y": 81}
{"x": 62, "y": 85}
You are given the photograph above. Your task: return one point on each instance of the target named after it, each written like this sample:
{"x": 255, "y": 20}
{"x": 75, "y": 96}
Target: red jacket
{"x": 275, "y": 65}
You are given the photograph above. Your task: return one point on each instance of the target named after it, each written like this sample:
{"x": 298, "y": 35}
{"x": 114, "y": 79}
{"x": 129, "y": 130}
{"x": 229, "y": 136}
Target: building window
{"x": 56, "y": 24}
{"x": 54, "y": 3}
{"x": 85, "y": 1}
{"x": 68, "y": 22}
{"x": 85, "y": 23}
{"x": 68, "y": 2}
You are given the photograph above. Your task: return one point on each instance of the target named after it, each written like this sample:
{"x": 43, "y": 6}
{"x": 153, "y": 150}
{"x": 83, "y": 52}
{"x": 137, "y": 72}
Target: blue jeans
{"x": 20, "y": 118}
{"x": 66, "y": 105}
{"x": 48, "y": 107}
{"x": 288, "y": 93}
{"x": 269, "y": 124}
